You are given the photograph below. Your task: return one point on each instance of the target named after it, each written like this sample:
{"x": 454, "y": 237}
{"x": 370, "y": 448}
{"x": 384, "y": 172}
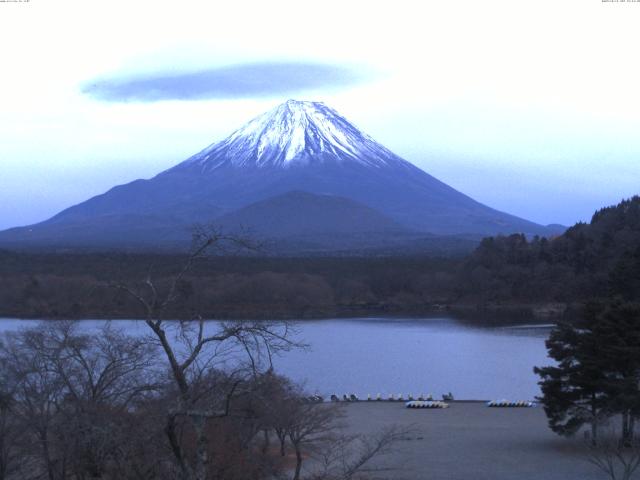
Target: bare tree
{"x": 191, "y": 349}
{"x": 279, "y": 399}
{"x": 73, "y": 394}
{"x": 617, "y": 458}
{"x": 37, "y": 397}
{"x": 10, "y": 431}
{"x": 351, "y": 456}
{"x": 310, "y": 425}
{"x": 316, "y": 431}
{"x": 104, "y": 375}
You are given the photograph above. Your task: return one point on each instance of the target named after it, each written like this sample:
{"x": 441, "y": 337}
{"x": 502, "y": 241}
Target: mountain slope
{"x": 298, "y": 146}
{"x": 300, "y": 213}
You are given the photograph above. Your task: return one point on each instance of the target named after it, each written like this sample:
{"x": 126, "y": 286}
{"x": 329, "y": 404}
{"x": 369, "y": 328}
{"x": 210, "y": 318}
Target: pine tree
{"x": 617, "y": 329}
{"x": 597, "y": 373}
{"x": 573, "y": 391}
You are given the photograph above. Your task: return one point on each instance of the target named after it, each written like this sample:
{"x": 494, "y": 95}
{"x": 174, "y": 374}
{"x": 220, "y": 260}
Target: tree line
{"x": 595, "y": 260}
{"x": 76, "y": 285}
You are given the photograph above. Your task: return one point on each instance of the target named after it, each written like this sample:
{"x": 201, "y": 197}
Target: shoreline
{"x": 502, "y": 313}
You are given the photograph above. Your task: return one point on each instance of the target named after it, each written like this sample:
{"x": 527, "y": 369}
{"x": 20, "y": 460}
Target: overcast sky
{"x": 531, "y": 107}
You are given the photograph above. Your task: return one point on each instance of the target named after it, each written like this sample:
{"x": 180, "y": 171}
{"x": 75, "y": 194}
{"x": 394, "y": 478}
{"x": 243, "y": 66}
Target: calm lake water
{"x": 408, "y": 356}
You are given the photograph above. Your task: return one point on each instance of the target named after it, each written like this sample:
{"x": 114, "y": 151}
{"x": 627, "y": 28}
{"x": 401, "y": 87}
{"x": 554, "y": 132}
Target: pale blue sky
{"x": 530, "y": 107}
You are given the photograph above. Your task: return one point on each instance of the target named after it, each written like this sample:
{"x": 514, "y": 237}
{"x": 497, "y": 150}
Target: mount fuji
{"x": 300, "y": 174}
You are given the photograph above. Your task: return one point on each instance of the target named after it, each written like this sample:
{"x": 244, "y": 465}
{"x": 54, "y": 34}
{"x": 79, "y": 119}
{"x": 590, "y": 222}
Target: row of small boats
{"x": 426, "y": 404}
{"x": 422, "y": 401}
{"x": 390, "y": 398}
{"x": 493, "y": 403}
{"x": 510, "y": 404}
{"x": 313, "y": 399}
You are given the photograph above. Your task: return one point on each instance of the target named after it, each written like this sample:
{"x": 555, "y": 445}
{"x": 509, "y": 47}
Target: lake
{"x": 406, "y": 356}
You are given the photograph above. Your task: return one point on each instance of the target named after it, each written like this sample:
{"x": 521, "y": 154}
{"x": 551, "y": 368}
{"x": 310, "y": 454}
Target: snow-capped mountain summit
{"x": 294, "y": 133}
{"x": 300, "y": 174}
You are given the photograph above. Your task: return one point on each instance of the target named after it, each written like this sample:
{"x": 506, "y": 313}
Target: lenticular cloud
{"x": 237, "y": 81}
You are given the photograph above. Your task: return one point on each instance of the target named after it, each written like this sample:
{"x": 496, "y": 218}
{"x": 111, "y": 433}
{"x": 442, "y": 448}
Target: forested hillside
{"x": 589, "y": 262}
{"x": 50, "y": 285}
{"x": 598, "y": 259}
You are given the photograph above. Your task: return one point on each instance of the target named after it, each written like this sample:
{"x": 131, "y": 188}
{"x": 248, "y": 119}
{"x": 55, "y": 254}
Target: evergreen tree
{"x": 598, "y": 370}
{"x": 617, "y": 330}
{"x": 573, "y": 391}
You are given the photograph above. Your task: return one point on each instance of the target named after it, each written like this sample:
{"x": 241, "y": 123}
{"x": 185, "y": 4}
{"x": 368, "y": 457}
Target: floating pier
{"x": 426, "y": 404}
{"x": 510, "y": 404}
{"x": 421, "y": 401}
